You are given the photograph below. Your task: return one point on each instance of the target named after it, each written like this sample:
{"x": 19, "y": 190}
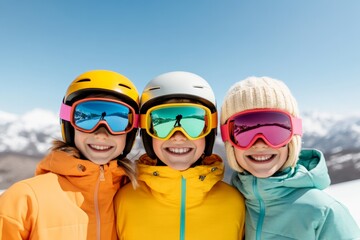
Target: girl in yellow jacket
{"x": 180, "y": 193}
{"x": 72, "y": 195}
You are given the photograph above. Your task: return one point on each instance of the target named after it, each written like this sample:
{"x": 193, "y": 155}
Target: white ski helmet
{"x": 177, "y": 85}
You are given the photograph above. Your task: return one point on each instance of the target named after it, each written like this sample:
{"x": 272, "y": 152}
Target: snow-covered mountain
{"x": 32, "y": 133}
{"x": 337, "y": 136}
{"x": 331, "y": 133}
{"x": 29, "y": 134}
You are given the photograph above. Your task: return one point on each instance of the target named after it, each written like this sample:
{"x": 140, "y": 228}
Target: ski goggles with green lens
{"x": 193, "y": 120}
{"x": 88, "y": 114}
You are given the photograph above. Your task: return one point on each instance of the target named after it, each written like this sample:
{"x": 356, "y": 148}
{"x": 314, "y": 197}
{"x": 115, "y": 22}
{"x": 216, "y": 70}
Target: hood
{"x": 71, "y": 168}
{"x": 310, "y": 171}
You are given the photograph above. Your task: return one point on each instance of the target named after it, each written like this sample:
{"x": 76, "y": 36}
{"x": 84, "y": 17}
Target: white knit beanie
{"x": 260, "y": 92}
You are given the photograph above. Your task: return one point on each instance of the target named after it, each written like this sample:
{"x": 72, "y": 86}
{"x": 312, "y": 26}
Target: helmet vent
{"x": 122, "y": 85}
{"x": 198, "y": 87}
{"x": 154, "y": 88}
{"x": 84, "y": 80}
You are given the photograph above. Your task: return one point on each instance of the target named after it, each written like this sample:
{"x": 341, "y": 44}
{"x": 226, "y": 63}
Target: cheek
{"x": 79, "y": 139}
{"x": 284, "y": 154}
{"x": 157, "y": 146}
{"x": 238, "y": 154}
{"x": 200, "y": 145}
{"x": 120, "y": 142}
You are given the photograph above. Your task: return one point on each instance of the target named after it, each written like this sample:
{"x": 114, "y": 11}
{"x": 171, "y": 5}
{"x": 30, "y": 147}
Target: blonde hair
{"x": 124, "y": 163}
{"x": 260, "y": 92}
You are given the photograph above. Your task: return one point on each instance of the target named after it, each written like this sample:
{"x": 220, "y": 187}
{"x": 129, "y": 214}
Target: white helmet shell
{"x": 178, "y": 84}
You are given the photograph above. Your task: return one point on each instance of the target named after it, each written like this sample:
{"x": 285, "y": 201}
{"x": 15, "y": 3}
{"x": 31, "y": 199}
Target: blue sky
{"x": 312, "y": 45}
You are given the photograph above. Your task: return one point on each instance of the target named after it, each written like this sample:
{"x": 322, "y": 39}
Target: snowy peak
{"x": 330, "y": 132}
{"x": 30, "y": 134}
{"x": 33, "y": 132}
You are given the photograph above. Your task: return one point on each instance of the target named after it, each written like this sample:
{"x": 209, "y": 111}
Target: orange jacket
{"x": 69, "y": 198}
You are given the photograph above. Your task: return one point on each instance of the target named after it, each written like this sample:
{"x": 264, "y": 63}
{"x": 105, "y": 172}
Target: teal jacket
{"x": 291, "y": 205}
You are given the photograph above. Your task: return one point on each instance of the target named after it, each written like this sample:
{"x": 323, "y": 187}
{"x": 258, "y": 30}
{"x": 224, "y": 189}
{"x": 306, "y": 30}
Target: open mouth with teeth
{"x": 178, "y": 151}
{"x": 262, "y": 158}
{"x": 99, "y": 148}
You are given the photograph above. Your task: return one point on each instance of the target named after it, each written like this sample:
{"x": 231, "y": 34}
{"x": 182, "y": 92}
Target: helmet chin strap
{"x": 199, "y": 161}
{"x": 159, "y": 162}
{"x": 82, "y": 156}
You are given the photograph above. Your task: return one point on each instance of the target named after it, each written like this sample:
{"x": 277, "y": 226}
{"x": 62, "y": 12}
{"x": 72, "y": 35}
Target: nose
{"x": 101, "y": 131}
{"x": 178, "y": 136}
{"x": 259, "y": 143}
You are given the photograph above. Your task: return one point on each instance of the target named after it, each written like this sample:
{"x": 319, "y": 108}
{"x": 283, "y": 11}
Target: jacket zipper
{"x": 96, "y": 202}
{"x": 261, "y": 207}
{"x": 182, "y": 208}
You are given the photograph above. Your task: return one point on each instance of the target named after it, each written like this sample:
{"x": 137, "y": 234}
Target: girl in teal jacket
{"x": 282, "y": 185}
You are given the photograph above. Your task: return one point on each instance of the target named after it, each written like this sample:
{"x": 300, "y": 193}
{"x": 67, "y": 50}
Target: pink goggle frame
{"x": 274, "y": 126}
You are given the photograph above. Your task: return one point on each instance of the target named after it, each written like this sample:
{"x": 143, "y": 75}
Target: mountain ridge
{"x": 338, "y": 137}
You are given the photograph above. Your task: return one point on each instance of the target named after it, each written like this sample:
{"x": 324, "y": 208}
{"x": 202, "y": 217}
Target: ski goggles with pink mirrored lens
{"x": 274, "y": 126}
{"x": 87, "y": 114}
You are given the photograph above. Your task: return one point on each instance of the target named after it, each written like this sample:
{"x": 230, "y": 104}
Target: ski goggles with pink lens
{"x": 274, "y": 126}
{"x": 87, "y": 114}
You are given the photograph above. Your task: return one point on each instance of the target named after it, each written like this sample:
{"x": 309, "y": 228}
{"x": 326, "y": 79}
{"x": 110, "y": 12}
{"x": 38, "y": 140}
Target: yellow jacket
{"x": 188, "y": 205}
{"x": 69, "y": 198}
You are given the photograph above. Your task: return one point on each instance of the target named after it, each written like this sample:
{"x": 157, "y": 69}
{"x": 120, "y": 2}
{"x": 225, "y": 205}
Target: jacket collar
{"x": 80, "y": 173}
{"x": 310, "y": 172}
{"x": 165, "y": 182}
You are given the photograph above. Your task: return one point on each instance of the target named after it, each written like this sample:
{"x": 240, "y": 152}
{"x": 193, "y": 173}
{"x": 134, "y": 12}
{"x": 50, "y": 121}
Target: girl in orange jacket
{"x": 71, "y": 196}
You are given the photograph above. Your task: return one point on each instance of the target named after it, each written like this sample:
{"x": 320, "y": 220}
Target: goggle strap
{"x": 214, "y": 121}
{"x": 224, "y": 132}
{"x": 142, "y": 122}
{"x": 136, "y": 120}
{"x": 65, "y": 112}
{"x": 297, "y": 126}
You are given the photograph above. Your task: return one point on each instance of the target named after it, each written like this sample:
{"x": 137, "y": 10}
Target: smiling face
{"x": 178, "y": 152}
{"x": 100, "y": 146}
{"x": 261, "y": 160}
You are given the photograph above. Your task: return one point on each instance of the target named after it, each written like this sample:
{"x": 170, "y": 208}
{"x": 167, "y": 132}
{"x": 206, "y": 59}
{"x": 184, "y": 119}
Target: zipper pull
{"x": 102, "y": 174}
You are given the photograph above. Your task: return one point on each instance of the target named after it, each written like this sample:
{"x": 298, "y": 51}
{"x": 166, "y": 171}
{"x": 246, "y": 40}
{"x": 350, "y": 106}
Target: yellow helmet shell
{"x": 104, "y": 81}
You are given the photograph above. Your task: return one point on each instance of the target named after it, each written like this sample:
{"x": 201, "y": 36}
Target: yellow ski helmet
{"x": 101, "y": 82}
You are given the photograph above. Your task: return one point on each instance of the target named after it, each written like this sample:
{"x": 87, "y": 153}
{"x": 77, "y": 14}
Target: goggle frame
{"x": 67, "y": 114}
{"x": 146, "y": 120}
{"x": 227, "y": 133}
